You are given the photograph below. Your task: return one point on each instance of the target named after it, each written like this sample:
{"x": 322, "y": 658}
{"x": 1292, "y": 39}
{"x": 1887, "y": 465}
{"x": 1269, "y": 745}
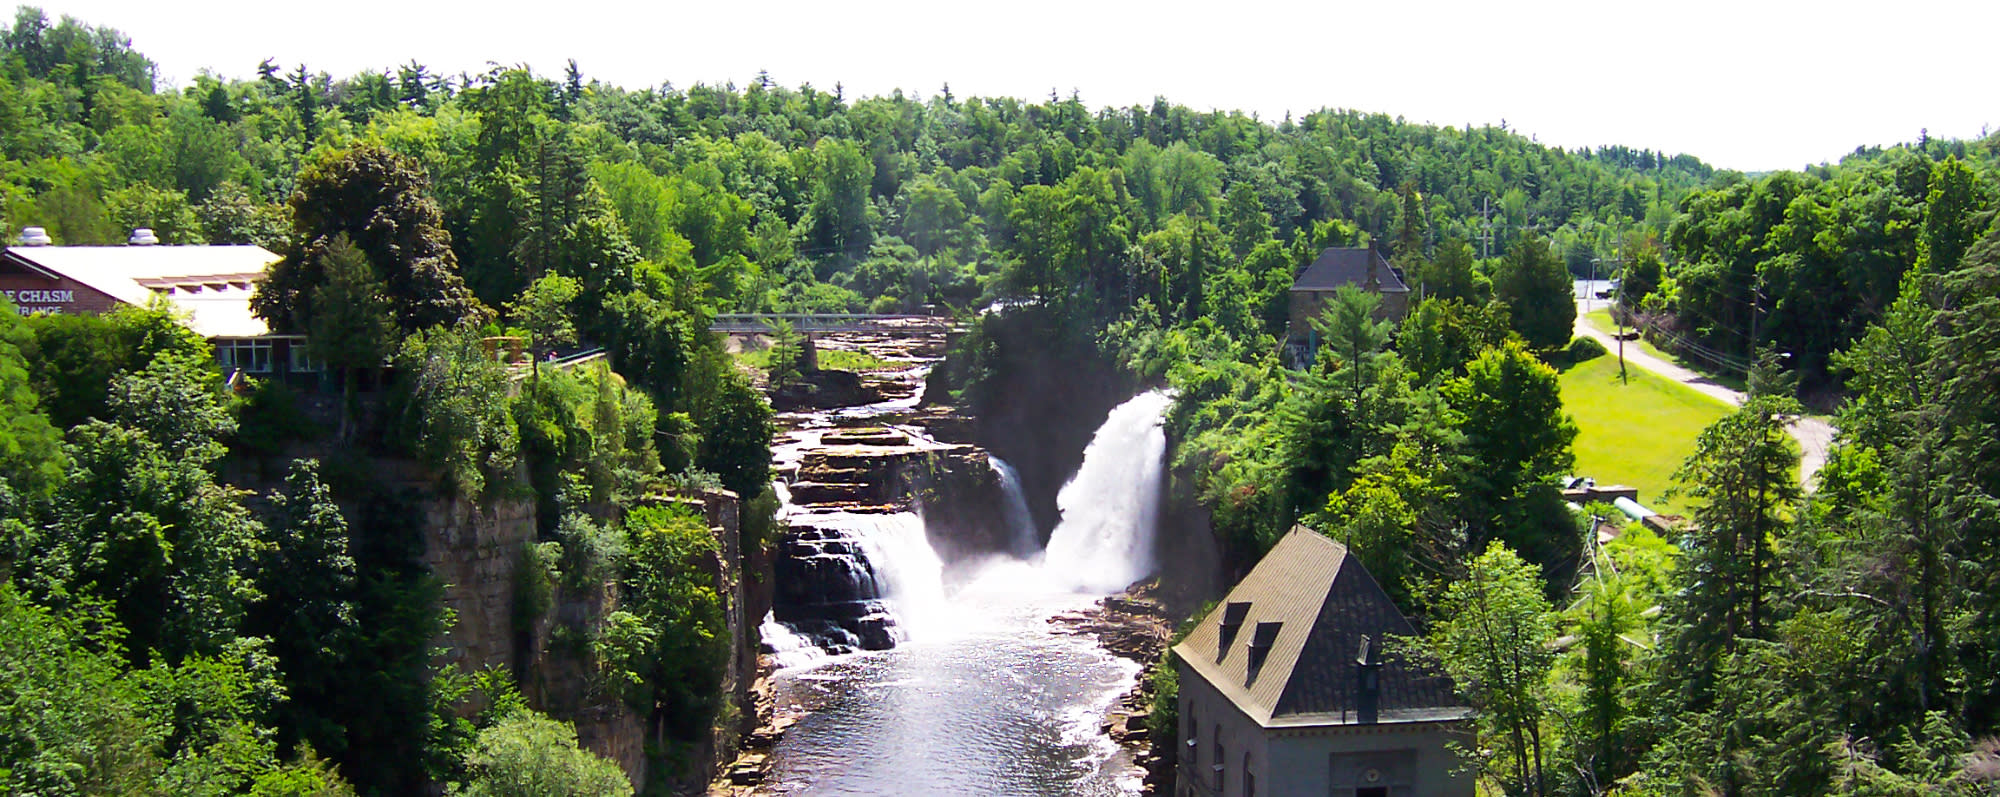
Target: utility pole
{"x": 1617, "y": 305}
{"x": 1485, "y": 227}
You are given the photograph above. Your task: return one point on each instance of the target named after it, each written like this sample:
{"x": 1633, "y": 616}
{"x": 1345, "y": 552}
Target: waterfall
{"x": 912, "y": 574}
{"x": 787, "y": 647}
{"x": 1105, "y": 539}
{"x": 1026, "y": 538}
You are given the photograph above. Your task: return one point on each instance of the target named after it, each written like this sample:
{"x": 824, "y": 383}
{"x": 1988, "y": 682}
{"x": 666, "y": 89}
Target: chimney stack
{"x": 1368, "y": 691}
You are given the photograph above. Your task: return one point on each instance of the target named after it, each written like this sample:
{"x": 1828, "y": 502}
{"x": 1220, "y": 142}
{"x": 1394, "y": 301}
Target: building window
{"x": 301, "y": 358}
{"x": 1221, "y": 762}
{"x": 250, "y": 355}
{"x": 1249, "y": 778}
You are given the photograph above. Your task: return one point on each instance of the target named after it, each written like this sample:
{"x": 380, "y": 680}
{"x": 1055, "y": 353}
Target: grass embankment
{"x": 829, "y": 359}
{"x": 1638, "y": 433}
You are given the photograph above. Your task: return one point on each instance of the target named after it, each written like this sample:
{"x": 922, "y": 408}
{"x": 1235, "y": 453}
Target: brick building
{"x": 209, "y": 285}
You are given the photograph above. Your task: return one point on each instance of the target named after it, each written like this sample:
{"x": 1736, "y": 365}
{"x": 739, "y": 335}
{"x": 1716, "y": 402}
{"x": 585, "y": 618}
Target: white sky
{"x": 1742, "y": 84}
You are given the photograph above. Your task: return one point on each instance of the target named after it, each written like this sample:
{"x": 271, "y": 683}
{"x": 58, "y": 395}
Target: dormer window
{"x": 1233, "y": 614}
{"x": 1261, "y": 641}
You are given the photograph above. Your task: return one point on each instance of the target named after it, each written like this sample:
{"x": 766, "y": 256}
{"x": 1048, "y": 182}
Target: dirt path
{"x": 1814, "y": 434}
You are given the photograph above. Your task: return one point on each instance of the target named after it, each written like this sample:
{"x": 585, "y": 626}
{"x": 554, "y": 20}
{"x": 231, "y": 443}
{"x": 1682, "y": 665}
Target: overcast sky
{"x": 1742, "y": 84}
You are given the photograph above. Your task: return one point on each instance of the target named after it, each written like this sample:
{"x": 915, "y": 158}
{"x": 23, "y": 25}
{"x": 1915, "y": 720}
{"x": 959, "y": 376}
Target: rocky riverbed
{"x": 1133, "y": 625}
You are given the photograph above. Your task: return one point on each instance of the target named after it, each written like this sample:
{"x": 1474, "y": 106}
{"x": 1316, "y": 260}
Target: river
{"x": 983, "y": 695}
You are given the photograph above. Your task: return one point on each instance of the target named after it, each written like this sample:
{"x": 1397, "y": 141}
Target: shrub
{"x": 1584, "y": 349}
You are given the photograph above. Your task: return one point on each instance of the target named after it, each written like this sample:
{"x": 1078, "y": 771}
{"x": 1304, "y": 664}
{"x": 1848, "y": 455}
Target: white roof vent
{"x": 143, "y": 236}
{"x": 35, "y": 236}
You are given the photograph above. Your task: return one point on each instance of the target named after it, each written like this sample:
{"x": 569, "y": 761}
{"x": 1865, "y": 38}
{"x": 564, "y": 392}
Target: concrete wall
{"x": 1410, "y": 759}
{"x": 472, "y": 550}
{"x": 1215, "y": 724}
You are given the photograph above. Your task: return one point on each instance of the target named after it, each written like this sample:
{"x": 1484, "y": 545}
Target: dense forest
{"x": 1844, "y": 641}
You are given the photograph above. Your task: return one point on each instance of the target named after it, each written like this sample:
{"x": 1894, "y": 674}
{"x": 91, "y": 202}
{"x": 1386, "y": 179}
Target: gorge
{"x": 912, "y": 631}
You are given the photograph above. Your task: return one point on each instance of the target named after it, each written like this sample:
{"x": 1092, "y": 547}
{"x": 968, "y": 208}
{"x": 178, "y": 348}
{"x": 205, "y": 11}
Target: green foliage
{"x": 72, "y": 719}
{"x": 591, "y": 552}
{"x": 308, "y": 585}
{"x": 544, "y": 309}
{"x": 380, "y": 201}
{"x": 787, "y": 354}
{"x": 31, "y": 458}
{"x": 74, "y": 357}
{"x": 1583, "y": 349}
{"x": 76, "y": 721}
{"x": 1441, "y": 335}
{"x": 351, "y": 325}
{"x": 451, "y": 410}
{"x": 1493, "y": 637}
{"x": 535, "y": 577}
{"x": 587, "y": 439}
{"x": 269, "y": 418}
{"x": 1536, "y": 288}
{"x": 526, "y": 754}
{"x": 1740, "y": 477}
{"x": 1511, "y": 411}
{"x": 141, "y": 523}
{"x": 663, "y": 652}
{"x": 735, "y": 421}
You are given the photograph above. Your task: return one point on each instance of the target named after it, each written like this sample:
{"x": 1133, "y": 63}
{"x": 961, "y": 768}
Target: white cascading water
{"x": 912, "y": 575}
{"x": 1020, "y": 524}
{"x": 988, "y": 698}
{"x": 1109, "y": 508}
{"x": 788, "y": 648}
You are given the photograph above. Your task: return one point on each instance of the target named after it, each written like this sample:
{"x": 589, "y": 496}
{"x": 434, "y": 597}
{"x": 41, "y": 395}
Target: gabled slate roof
{"x": 1348, "y": 266}
{"x": 1324, "y": 603}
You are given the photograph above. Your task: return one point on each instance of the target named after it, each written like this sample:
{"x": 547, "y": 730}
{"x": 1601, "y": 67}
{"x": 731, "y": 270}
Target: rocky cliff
{"x": 475, "y": 550}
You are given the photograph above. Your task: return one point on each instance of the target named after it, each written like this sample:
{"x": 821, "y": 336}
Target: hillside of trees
{"x": 1845, "y": 641}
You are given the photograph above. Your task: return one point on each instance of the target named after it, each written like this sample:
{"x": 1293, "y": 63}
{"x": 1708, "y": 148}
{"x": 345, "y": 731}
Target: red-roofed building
{"x": 210, "y": 285}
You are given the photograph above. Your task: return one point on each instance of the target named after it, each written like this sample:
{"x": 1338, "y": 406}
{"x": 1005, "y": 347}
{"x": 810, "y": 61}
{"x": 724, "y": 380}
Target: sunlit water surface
{"x": 989, "y": 699}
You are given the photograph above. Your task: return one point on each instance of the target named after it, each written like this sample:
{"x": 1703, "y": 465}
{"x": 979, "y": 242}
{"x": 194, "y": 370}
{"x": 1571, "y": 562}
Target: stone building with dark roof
{"x": 1288, "y": 688}
{"x": 1313, "y": 289}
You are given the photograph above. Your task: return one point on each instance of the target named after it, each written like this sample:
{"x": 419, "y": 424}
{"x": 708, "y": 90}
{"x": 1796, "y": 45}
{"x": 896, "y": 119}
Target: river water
{"x": 985, "y": 696}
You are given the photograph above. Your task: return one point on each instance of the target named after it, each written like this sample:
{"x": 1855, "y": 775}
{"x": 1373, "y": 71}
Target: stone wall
{"x": 472, "y": 549}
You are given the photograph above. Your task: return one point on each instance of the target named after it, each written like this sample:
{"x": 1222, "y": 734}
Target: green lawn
{"x": 1601, "y": 320}
{"x": 1637, "y": 433}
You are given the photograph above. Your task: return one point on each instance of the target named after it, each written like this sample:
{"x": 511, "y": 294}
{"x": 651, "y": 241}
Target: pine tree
{"x": 352, "y": 322}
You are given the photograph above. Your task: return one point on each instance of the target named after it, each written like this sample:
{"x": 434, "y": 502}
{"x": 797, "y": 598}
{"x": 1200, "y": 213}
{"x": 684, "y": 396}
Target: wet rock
{"x": 823, "y": 390}
{"x": 748, "y": 769}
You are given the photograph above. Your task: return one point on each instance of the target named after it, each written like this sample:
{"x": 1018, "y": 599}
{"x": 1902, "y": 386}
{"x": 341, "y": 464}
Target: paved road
{"x": 1814, "y": 434}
